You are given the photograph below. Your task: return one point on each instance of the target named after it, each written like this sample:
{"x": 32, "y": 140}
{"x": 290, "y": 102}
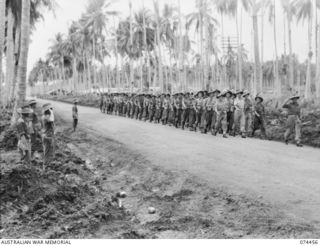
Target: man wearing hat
{"x": 172, "y": 110}
{"x": 178, "y": 109}
{"x": 75, "y": 114}
{"x": 210, "y": 114}
{"x": 36, "y": 126}
{"x": 165, "y": 112}
{"x": 238, "y": 105}
{"x": 199, "y": 109}
{"x": 192, "y": 113}
{"x": 246, "y": 118}
{"x": 47, "y": 134}
{"x": 222, "y": 107}
{"x": 293, "y": 120}
{"x": 259, "y": 117}
{"x": 186, "y": 104}
{"x": 23, "y": 131}
{"x": 152, "y": 107}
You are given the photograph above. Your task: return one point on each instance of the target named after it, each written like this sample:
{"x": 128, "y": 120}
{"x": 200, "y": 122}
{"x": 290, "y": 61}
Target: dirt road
{"x": 285, "y": 176}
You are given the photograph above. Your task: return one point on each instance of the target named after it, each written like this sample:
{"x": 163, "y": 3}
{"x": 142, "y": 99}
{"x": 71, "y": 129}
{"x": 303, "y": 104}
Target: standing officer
{"x": 294, "y": 120}
{"x": 259, "y": 117}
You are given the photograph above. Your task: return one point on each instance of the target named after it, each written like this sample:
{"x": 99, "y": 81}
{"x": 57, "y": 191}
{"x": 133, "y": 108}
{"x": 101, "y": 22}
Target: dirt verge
{"x": 76, "y": 197}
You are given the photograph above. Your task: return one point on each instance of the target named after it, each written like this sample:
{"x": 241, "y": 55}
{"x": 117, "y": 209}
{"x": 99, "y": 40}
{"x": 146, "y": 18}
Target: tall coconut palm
{"x": 253, "y": 7}
{"x": 318, "y": 55}
{"x": 290, "y": 10}
{"x": 271, "y": 6}
{"x": 158, "y": 38}
{"x": 2, "y": 28}
{"x": 305, "y": 9}
{"x": 203, "y": 22}
{"x": 23, "y": 58}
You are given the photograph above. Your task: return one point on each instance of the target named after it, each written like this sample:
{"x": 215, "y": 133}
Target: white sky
{"x": 70, "y": 10}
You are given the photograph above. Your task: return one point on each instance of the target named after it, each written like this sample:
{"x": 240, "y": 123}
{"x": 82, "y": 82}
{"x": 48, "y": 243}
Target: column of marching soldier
{"x": 228, "y": 112}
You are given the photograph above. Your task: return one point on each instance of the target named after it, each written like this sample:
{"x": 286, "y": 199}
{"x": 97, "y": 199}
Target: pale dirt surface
{"x": 286, "y": 177}
{"x": 73, "y": 197}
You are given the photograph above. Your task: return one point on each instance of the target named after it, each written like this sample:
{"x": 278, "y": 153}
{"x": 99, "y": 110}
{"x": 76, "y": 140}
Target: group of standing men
{"x": 31, "y": 129}
{"x": 227, "y": 112}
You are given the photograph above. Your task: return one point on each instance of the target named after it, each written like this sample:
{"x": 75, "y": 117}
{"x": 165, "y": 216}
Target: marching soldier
{"x": 165, "y": 112}
{"x": 199, "y": 109}
{"x": 192, "y": 113}
{"x": 259, "y": 117}
{"x": 210, "y": 113}
{"x": 152, "y": 106}
{"x": 221, "y": 111}
{"x": 178, "y": 106}
{"x": 246, "y": 118}
{"x": 293, "y": 120}
{"x": 186, "y": 104}
{"x": 238, "y": 108}
{"x": 172, "y": 111}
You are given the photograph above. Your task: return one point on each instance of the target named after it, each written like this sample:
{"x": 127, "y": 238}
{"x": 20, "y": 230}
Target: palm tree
{"x": 271, "y": 5}
{"x": 305, "y": 10}
{"x": 290, "y": 10}
{"x": 23, "y": 58}
{"x": 318, "y": 55}
{"x": 203, "y": 22}
{"x": 253, "y": 7}
{"x": 2, "y": 33}
{"x": 158, "y": 38}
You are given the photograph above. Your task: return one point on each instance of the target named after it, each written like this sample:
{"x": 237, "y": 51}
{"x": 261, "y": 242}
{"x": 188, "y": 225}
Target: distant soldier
{"x": 165, "y": 111}
{"x": 230, "y": 96}
{"x": 246, "y": 118}
{"x": 259, "y": 117}
{"x": 178, "y": 107}
{"x": 75, "y": 114}
{"x": 199, "y": 109}
{"x": 23, "y": 130}
{"x": 210, "y": 113}
{"x": 222, "y": 107}
{"x": 152, "y": 107}
{"x": 192, "y": 113}
{"x": 47, "y": 134}
{"x": 101, "y": 102}
{"x": 146, "y": 101}
{"x": 238, "y": 105}
{"x": 294, "y": 120}
{"x": 186, "y": 104}
{"x": 172, "y": 111}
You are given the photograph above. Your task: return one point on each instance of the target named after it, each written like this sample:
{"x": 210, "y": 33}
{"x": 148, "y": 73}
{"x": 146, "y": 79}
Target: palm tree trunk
{"x": 146, "y": 49}
{"x": 261, "y": 44}
{"x": 23, "y": 58}
{"x": 308, "y": 76}
{"x": 257, "y": 66}
{"x": 156, "y": 5}
{"x": 131, "y": 45}
{"x": 239, "y": 50}
{"x": 276, "y": 65}
{"x": 290, "y": 52}
{"x": 95, "y": 84}
{"x": 10, "y": 82}
{"x": 318, "y": 65}
{"x": 181, "y": 63}
{"x": 2, "y": 33}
